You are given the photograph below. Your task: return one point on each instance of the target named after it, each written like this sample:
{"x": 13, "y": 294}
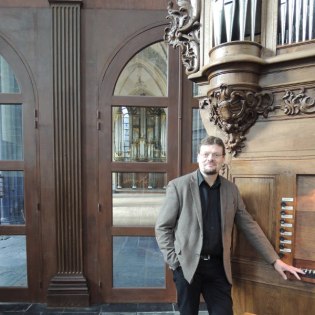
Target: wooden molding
{"x": 66, "y": 2}
{"x": 235, "y": 110}
{"x": 68, "y": 291}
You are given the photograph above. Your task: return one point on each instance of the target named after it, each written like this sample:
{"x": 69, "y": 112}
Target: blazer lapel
{"x": 223, "y": 202}
{"x": 196, "y": 197}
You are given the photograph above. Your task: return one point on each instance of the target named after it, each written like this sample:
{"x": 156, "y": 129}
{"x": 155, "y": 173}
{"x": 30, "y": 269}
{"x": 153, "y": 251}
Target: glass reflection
{"x": 139, "y": 134}
{"x": 146, "y": 73}
{"x": 198, "y": 133}
{"x": 12, "y": 210}
{"x": 13, "y": 267}
{"x": 8, "y": 83}
{"x": 137, "y": 263}
{"x": 137, "y": 198}
{"x": 11, "y": 137}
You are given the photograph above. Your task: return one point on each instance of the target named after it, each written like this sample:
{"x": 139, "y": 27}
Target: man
{"x": 194, "y": 233}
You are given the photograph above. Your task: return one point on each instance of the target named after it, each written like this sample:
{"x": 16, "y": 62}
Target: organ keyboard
{"x": 309, "y": 273}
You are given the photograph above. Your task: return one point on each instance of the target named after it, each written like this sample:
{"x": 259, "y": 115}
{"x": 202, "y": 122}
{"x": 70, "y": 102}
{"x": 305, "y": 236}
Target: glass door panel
{"x": 137, "y": 198}
{"x": 13, "y": 267}
{"x": 198, "y": 133}
{"x": 12, "y": 198}
{"x": 139, "y": 134}
{"x": 146, "y": 73}
{"x": 137, "y": 263}
{"x": 8, "y": 83}
{"x": 11, "y": 136}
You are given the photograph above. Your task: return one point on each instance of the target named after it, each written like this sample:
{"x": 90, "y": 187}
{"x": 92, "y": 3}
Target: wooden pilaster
{"x": 68, "y": 287}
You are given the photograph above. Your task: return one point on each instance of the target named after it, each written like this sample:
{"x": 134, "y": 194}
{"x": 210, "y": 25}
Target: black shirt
{"x": 211, "y": 215}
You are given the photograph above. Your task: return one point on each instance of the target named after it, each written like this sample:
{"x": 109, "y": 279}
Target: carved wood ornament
{"x": 183, "y": 32}
{"x": 235, "y": 111}
{"x": 296, "y": 104}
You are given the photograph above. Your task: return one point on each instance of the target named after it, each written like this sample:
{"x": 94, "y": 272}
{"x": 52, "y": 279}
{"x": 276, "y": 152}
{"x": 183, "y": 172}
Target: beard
{"x": 211, "y": 172}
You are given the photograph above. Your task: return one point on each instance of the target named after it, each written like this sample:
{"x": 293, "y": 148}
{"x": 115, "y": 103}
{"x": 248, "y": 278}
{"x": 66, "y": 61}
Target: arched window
{"x": 12, "y": 210}
{"x": 18, "y": 189}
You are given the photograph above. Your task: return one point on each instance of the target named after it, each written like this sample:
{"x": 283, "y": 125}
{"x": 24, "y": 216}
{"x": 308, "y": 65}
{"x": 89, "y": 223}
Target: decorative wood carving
{"x": 295, "y": 104}
{"x": 184, "y": 32}
{"x": 68, "y": 287}
{"x": 235, "y": 111}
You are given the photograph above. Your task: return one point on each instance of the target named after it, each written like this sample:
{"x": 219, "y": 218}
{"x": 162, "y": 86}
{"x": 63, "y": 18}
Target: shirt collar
{"x": 201, "y": 179}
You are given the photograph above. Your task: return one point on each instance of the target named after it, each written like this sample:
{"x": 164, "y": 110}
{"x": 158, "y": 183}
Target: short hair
{"x": 211, "y": 140}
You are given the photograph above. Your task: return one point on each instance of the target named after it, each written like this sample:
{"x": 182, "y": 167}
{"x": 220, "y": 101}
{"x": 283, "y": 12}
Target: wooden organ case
{"x": 256, "y": 89}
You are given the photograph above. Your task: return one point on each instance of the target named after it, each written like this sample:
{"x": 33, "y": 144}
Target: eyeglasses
{"x": 215, "y": 156}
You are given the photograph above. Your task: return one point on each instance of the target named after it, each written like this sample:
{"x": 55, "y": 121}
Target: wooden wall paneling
{"x": 289, "y": 142}
{"x": 264, "y": 299}
{"x": 297, "y": 302}
{"x": 304, "y": 249}
{"x": 256, "y": 298}
{"x": 305, "y": 218}
{"x": 258, "y": 193}
{"x": 254, "y": 281}
{"x": 68, "y": 286}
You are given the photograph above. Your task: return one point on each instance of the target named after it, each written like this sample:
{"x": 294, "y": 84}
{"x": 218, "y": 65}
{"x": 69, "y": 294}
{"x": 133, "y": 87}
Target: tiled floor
{"x": 104, "y": 309}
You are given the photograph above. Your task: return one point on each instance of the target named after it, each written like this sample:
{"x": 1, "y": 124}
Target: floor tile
{"x": 104, "y": 309}
{"x": 122, "y": 308}
{"x": 14, "y": 307}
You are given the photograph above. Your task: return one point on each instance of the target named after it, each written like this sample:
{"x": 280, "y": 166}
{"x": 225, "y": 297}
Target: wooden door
{"x": 20, "y": 260}
{"x": 139, "y": 151}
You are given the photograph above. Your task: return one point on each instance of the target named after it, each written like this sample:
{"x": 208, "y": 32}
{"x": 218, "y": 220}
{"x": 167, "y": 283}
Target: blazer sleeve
{"x": 252, "y": 231}
{"x": 166, "y": 224}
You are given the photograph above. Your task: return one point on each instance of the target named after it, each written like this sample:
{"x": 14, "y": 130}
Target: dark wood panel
{"x": 297, "y": 302}
{"x": 267, "y": 299}
{"x": 68, "y": 286}
{"x": 304, "y": 235}
{"x": 12, "y": 229}
{"x": 139, "y": 167}
{"x": 259, "y": 203}
{"x": 142, "y": 231}
{"x": 253, "y": 278}
{"x": 12, "y": 165}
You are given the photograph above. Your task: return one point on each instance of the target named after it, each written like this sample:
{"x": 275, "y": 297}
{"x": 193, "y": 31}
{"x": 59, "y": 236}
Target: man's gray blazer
{"x": 179, "y": 229}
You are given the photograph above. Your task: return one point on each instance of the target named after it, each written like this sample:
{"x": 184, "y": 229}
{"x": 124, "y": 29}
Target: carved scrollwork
{"x": 235, "y": 111}
{"x": 295, "y": 104}
{"x": 184, "y": 32}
